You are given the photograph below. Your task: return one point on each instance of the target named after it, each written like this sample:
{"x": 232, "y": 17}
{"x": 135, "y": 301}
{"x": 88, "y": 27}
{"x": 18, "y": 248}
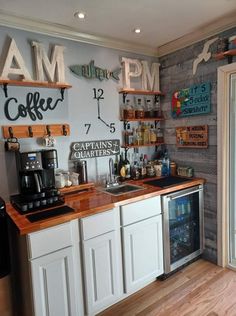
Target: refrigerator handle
{"x": 173, "y": 197}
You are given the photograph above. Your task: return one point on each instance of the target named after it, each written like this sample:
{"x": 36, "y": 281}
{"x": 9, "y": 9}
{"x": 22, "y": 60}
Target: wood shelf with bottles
{"x": 40, "y": 84}
{"x": 140, "y": 92}
{"x": 145, "y": 145}
{"x": 146, "y": 119}
{"x": 227, "y": 54}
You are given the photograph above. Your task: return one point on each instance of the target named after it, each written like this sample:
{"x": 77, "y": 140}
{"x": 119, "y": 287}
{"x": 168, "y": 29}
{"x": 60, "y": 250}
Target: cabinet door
{"x": 102, "y": 267}
{"x": 143, "y": 252}
{"x": 53, "y": 284}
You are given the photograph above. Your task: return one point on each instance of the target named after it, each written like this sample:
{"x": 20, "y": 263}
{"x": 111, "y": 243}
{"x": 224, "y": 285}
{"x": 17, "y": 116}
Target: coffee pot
{"x": 36, "y": 179}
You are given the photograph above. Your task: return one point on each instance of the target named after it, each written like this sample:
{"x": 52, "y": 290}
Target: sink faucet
{"x": 112, "y": 181}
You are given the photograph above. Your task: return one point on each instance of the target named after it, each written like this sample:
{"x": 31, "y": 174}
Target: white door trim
{"x": 223, "y": 101}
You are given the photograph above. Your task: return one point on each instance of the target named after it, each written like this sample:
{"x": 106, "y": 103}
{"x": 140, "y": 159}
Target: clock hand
{"x": 99, "y": 116}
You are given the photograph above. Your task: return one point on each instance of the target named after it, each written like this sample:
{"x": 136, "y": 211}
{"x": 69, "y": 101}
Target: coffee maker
{"x": 36, "y": 181}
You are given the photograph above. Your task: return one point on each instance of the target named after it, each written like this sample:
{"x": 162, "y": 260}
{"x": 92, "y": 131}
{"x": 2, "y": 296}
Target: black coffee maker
{"x": 36, "y": 179}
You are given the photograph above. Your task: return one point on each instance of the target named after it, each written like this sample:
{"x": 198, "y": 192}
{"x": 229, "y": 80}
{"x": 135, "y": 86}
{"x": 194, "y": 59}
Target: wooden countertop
{"x": 93, "y": 202}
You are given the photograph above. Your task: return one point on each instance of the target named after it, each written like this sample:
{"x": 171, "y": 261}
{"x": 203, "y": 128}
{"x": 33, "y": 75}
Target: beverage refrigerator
{"x": 182, "y": 227}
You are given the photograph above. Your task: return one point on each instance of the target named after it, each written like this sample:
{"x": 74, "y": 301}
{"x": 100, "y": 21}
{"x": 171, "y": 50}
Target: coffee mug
{"x": 12, "y": 144}
{"x": 49, "y": 141}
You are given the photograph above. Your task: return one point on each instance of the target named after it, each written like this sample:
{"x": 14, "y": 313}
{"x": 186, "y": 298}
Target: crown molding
{"x": 56, "y": 30}
{"x": 61, "y": 31}
{"x": 220, "y": 25}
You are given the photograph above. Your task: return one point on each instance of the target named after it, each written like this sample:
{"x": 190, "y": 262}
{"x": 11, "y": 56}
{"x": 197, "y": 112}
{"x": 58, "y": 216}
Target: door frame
{"x": 223, "y": 102}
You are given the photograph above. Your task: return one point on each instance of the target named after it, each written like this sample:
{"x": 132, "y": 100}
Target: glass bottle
{"x": 139, "y": 111}
{"x": 157, "y": 109}
{"x": 153, "y": 135}
{"x": 148, "y": 107}
{"x": 160, "y": 138}
{"x": 166, "y": 165}
{"x": 127, "y": 166}
{"x": 128, "y": 112}
{"x": 146, "y": 134}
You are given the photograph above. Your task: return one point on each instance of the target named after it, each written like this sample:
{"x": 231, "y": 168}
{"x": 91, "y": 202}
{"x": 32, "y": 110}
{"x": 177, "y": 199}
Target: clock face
{"x": 98, "y": 94}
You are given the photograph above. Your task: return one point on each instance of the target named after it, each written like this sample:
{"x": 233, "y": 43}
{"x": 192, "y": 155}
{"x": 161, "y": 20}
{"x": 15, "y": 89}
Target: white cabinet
{"x": 101, "y": 260}
{"x": 142, "y": 246}
{"x": 56, "y": 281}
{"x": 53, "y": 284}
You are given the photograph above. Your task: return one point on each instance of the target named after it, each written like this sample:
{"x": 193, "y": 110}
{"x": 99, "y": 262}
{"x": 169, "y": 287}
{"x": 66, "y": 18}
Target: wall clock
{"x": 98, "y": 94}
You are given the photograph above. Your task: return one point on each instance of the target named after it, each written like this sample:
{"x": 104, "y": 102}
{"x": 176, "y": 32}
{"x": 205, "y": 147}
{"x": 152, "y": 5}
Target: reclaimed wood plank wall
{"x": 177, "y": 73}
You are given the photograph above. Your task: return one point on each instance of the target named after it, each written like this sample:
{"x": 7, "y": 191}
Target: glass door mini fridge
{"x": 182, "y": 227}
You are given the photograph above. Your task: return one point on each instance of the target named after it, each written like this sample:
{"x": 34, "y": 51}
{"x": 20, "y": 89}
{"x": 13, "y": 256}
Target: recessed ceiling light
{"x": 137, "y": 30}
{"x": 79, "y": 15}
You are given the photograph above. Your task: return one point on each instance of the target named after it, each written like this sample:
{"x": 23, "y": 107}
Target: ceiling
{"x": 163, "y": 23}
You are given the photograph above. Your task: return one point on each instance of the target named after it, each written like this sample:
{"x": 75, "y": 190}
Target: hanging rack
{"x": 29, "y": 131}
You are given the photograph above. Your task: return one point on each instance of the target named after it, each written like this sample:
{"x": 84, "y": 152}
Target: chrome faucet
{"x": 112, "y": 180}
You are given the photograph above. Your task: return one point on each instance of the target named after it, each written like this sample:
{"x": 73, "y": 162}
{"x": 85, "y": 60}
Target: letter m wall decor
{"x": 194, "y": 100}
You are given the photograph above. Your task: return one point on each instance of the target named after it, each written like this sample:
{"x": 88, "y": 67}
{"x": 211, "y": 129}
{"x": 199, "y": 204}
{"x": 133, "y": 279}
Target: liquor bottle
{"x": 121, "y": 168}
{"x": 166, "y": 165}
{"x": 142, "y": 167}
{"x": 139, "y": 111}
{"x": 147, "y": 110}
{"x": 128, "y": 112}
{"x": 116, "y": 165}
{"x": 146, "y": 134}
{"x": 153, "y": 135}
{"x": 127, "y": 166}
{"x": 157, "y": 109}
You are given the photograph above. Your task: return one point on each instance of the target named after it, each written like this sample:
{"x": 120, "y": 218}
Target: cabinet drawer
{"x": 138, "y": 211}
{"x": 98, "y": 224}
{"x": 51, "y": 239}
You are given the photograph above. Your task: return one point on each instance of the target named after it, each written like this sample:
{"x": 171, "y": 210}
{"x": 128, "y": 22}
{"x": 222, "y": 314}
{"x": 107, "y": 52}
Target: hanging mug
{"x": 12, "y": 144}
{"x": 49, "y": 141}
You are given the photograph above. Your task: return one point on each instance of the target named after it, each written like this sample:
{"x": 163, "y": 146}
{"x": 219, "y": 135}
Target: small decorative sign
{"x": 195, "y": 100}
{"x": 90, "y": 71}
{"x": 95, "y": 148}
{"x": 192, "y": 136}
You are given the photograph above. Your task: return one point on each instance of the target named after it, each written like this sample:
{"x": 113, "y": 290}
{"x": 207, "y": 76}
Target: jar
{"x": 173, "y": 168}
{"x": 66, "y": 175}
{"x": 150, "y": 170}
{"x": 74, "y": 178}
{"x": 59, "y": 181}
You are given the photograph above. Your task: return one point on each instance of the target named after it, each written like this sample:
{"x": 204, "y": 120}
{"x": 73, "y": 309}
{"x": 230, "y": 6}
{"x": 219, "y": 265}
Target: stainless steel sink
{"x": 123, "y": 188}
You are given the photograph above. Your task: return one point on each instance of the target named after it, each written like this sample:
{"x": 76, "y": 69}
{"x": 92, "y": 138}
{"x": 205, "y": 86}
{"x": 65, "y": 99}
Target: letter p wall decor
{"x": 133, "y": 68}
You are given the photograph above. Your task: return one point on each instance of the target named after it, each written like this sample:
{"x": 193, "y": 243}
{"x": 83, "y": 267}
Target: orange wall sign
{"x": 192, "y": 136}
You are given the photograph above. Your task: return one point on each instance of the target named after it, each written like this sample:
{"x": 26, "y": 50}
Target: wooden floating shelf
{"x": 225, "y": 54}
{"x": 143, "y": 119}
{"x": 27, "y": 131}
{"x": 137, "y": 146}
{"x": 144, "y": 92}
{"x": 42, "y": 84}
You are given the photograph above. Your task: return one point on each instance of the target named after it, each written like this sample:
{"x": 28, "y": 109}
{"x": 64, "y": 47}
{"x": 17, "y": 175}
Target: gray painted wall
{"x": 78, "y": 108}
{"x": 176, "y": 73}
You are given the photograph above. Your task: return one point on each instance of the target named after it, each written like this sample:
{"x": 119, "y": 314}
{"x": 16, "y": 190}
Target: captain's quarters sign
{"x": 192, "y": 136}
{"x": 195, "y": 100}
{"x": 96, "y": 148}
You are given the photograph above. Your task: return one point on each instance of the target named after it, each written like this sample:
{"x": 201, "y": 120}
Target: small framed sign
{"x": 194, "y": 100}
{"x": 95, "y": 148}
{"x": 192, "y": 136}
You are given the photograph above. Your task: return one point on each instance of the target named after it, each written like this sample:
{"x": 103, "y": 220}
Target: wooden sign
{"x": 195, "y": 100}
{"x": 96, "y": 148}
{"x": 192, "y": 136}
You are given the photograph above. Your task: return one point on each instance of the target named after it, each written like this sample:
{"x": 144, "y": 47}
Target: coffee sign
{"x": 96, "y": 148}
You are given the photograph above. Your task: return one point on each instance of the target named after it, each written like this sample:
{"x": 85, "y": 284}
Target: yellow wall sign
{"x": 192, "y": 136}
